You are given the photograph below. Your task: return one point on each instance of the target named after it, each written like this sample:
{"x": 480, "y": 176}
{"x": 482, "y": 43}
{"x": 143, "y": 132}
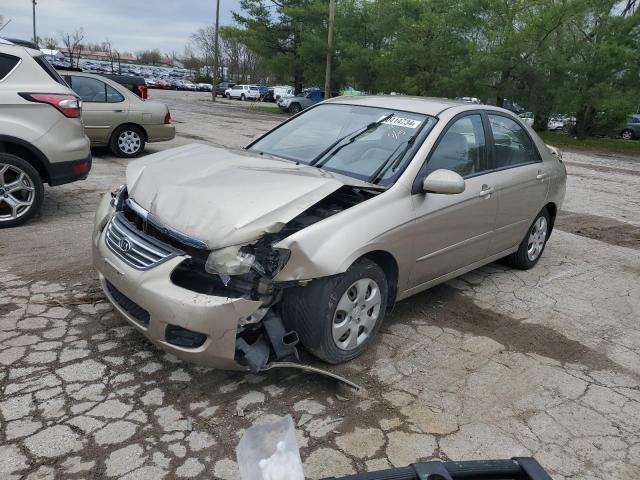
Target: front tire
{"x": 228, "y": 95}
{"x": 127, "y": 141}
{"x": 295, "y": 108}
{"x": 337, "y": 317}
{"x": 627, "y": 134}
{"x": 21, "y": 191}
{"x": 533, "y": 244}
{"x": 242, "y": 97}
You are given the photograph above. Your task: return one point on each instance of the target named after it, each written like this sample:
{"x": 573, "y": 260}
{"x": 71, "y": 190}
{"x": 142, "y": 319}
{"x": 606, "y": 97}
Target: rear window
{"x": 7, "y": 63}
{"x": 46, "y": 66}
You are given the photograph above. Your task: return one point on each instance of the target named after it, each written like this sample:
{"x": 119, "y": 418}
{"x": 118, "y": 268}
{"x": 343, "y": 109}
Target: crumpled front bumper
{"x": 167, "y": 304}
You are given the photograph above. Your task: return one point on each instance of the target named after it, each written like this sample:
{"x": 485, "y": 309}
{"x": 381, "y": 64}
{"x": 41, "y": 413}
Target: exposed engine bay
{"x": 246, "y": 272}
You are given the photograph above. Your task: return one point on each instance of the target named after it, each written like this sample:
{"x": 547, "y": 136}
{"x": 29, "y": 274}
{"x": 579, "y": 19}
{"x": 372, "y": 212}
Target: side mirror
{"x": 443, "y": 181}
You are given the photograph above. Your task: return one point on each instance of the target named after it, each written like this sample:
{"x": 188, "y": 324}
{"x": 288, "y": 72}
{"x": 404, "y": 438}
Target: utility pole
{"x": 327, "y": 74}
{"x": 214, "y": 76}
{"x": 35, "y": 38}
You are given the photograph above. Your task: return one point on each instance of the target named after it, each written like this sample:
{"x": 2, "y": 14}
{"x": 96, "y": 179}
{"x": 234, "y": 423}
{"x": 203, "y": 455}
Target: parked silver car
{"x": 225, "y": 257}
{"x": 113, "y": 116}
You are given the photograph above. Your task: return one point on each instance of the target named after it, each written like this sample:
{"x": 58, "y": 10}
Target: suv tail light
{"x": 69, "y": 105}
{"x": 143, "y": 91}
{"x": 167, "y": 118}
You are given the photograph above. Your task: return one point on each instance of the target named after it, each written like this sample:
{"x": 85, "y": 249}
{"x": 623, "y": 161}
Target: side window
{"x": 7, "y": 63}
{"x": 46, "y": 66}
{"x": 512, "y": 144}
{"x": 462, "y": 148}
{"x": 89, "y": 89}
{"x": 113, "y": 96}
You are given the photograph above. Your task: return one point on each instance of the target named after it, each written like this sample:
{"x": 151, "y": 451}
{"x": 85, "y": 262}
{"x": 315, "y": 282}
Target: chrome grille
{"x": 133, "y": 247}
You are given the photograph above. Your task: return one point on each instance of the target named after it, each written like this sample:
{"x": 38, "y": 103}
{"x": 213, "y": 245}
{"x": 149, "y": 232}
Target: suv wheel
{"x": 532, "y": 246}
{"x": 242, "y": 97}
{"x": 338, "y": 317}
{"x": 228, "y": 95}
{"x": 127, "y": 141}
{"x": 21, "y": 191}
{"x": 627, "y": 134}
{"x": 295, "y": 108}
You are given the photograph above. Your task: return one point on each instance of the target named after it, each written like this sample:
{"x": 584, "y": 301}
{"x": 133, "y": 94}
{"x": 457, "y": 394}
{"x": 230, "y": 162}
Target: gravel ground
{"x": 494, "y": 364}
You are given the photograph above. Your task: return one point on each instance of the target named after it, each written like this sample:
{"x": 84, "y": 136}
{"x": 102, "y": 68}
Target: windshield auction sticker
{"x": 402, "y": 122}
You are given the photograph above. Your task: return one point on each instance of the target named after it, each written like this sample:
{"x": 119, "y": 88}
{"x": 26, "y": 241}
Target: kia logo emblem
{"x": 125, "y": 245}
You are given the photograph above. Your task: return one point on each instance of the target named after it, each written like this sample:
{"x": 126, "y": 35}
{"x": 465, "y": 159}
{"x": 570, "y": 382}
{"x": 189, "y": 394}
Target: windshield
{"x": 325, "y": 135}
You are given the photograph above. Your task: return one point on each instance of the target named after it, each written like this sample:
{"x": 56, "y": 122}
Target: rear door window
{"x": 113, "y": 96}
{"x": 512, "y": 144}
{"x": 7, "y": 64}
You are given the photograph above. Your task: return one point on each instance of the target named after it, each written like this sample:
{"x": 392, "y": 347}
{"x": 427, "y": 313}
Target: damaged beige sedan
{"x": 312, "y": 233}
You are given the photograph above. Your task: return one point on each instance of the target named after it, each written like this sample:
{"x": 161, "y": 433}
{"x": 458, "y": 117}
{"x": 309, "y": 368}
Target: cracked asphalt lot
{"x": 494, "y": 364}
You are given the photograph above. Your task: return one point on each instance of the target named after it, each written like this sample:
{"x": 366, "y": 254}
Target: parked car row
{"x": 259, "y": 92}
{"x": 49, "y": 119}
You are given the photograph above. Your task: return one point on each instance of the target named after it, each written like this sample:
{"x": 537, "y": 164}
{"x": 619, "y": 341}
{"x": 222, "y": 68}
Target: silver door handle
{"x": 541, "y": 175}
{"x": 486, "y": 191}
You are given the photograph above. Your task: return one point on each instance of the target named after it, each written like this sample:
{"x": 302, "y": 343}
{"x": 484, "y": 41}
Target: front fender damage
{"x": 262, "y": 341}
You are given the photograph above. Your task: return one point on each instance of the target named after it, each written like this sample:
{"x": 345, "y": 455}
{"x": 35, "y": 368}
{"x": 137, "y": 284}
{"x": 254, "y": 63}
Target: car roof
{"x": 132, "y": 79}
{"x": 8, "y": 46}
{"x": 425, "y": 105}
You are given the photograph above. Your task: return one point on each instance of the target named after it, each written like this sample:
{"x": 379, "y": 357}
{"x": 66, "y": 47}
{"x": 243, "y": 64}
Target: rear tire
{"x": 627, "y": 134}
{"x": 127, "y": 141}
{"x": 242, "y": 97}
{"x": 533, "y": 244}
{"x": 20, "y": 183}
{"x": 338, "y": 317}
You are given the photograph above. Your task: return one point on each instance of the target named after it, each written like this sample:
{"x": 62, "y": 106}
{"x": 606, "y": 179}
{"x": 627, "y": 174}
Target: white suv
{"x": 41, "y": 133}
{"x": 243, "y": 92}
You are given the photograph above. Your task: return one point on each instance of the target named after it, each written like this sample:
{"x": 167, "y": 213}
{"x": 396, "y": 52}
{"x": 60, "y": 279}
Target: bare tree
{"x": 241, "y": 63}
{"x": 73, "y": 43}
{"x": 204, "y": 41}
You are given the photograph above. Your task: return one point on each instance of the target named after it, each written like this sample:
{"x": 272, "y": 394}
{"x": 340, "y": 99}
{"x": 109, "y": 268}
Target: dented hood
{"x": 224, "y": 197}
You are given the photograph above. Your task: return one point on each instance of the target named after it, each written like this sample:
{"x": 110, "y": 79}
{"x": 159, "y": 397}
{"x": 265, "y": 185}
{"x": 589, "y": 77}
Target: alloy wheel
{"x": 129, "y": 142}
{"x": 17, "y": 192}
{"x": 356, "y": 314}
{"x": 537, "y": 238}
{"x": 627, "y": 135}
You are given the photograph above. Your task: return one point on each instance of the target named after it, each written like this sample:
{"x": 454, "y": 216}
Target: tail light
{"x": 167, "y": 118}
{"x": 69, "y": 105}
{"x": 143, "y": 91}
{"x": 81, "y": 167}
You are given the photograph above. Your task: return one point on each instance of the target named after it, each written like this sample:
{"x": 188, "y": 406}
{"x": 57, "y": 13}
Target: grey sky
{"x": 130, "y": 25}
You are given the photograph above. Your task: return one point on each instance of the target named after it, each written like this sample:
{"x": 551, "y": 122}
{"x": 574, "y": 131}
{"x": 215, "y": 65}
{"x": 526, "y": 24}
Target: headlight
{"x": 229, "y": 261}
{"x": 117, "y": 197}
{"x": 240, "y": 259}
